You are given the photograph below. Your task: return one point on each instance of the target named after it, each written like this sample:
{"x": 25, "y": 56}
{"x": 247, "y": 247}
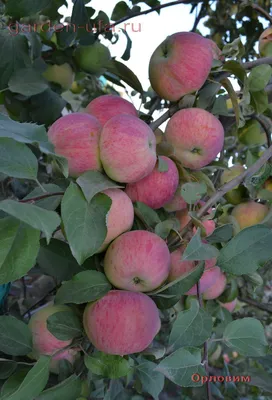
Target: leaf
{"x": 64, "y": 325}
{"x": 221, "y": 234}
{"x": 84, "y": 223}
{"x": 93, "y": 182}
{"x": 114, "y": 390}
{"x": 152, "y": 381}
{"x": 57, "y": 260}
{"x": 7, "y": 368}
{"x": 17, "y": 160}
{"x": 46, "y": 107}
{"x": 226, "y": 83}
{"x": 13, "y": 382}
{"x": 120, "y": 10}
{"x": 207, "y": 95}
{"x": 34, "y": 382}
{"x": 198, "y": 250}
{"x": 13, "y": 53}
{"x": 246, "y": 336}
{"x": 69, "y": 389}
{"x": 181, "y": 365}
{"x": 261, "y": 379}
{"x": 15, "y": 336}
{"x": 259, "y": 77}
{"x": 191, "y": 328}
{"x": 24, "y": 8}
{"x": 43, "y": 220}
{"x": 147, "y": 214}
{"x": 50, "y": 203}
{"x": 123, "y": 72}
{"x": 259, "y": 101}
{"x": 19, "y": 244}
{"x": 246, "y": 251}
{"x": 164, "y": 228}
{"x": 193, "y": 192}
{"x": 28, "y": 82}
{"x": 107, "y": 365}
{"x": 126, "y": 55}
{"x": 80, "y": 18}
{"x": 83, "y": 287}
{"x": 162, "y": 165}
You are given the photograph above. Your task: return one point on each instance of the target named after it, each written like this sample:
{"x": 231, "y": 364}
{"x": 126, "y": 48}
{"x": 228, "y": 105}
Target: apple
{"x": 76, "y": 137}
{"x": 122, "y": 322}
{"x": 217, "y": 287}
{"x": 177, "y": 203}
{"x": 120, "y": 216}
{"x": 265, "y": 43}
{"x": 127, "y": 148}
{"x": 180, "y": 65}
{"x": 108, "y": 106}
{"x": 196, "y": 135}
{"x": 251, "y": 134}
{"x": 77, "y": 88}
{"x": 268, "y": 184}
{"x": 216, "y": 52}
{"x": 209, "y": 226}
{"x": 249, "y": 213}
{"x": 157, "y": 188}
{"x": 183, "y": 217}
{"x": 138, "y": 261}
{"x": 229, "y": 306}
{"x": 45, "y": 343}
{"x": 62, "y": 74}
{"x": 93, "y": 59}
{"x": 237, "y": 194}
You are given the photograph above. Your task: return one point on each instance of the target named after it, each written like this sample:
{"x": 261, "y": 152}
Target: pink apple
{"x": 108, "y": 106}
{"x": 138, "y": 261}
{"x": 209, "y": 226}
{"x": 156, "y": 189}
{"x": 76, "y": 137}
{"x": 196, "y": 135}
{"x": 177, "y": 203}
{"x": 120, "y": 216}
{"x": 229, "y": 306}
{"x": 122, "y": 322}
{"x": 206, "y": 281}
{"x": 217, "y": 287}
{"x": 127, "y": 148}
{"x": 45, "y": 343}
{"x": 180, "y": 65}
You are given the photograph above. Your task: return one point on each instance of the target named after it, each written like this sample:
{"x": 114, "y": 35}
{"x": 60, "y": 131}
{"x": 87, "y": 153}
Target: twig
{"x": 262, "y": 11}
{"x": 255, "y": 63}
{"x": 39, "y": 302}
{"x": 44, "y": 196}
{"x": 199, "y": 16}
{"x": 261, "y": 306}
{"x": 205, "y": 360}
{"x": 164, "y": 117}
{"x": 155, "y": 104}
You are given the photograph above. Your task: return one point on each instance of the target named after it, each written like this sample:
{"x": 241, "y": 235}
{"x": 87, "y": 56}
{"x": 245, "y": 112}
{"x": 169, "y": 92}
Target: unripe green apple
{"x": 251, "y": 134}
{"x": 265, "y": 43}
{"x": 63, "y": 75}
{"x": 93, "y": 59}
{"x": 76, "y": 88}
{"x": 237, "y": 194}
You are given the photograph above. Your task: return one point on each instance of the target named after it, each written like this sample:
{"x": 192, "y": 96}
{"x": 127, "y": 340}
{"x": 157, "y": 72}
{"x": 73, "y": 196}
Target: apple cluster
{"x": 110, "y": 137}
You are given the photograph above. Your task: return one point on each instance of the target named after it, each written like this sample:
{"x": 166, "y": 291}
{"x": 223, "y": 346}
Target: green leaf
{"x": 259, "y": 101}
{"x": 81, "y": 18}
{"x": 7, "y": 368}
{"x": 24, "y": 8}
{"x": 43, "y": 220}
{"x": 221, "y": 234}
{"x": 152, "y": 381}
{"x": 191, "y": 328}
{"x": 50, "y": 203}
{"x": 19, "y": 244}
{"x": 123, "y": 72}
{"x": 162, "y": 165}
{"x": 126, "y": 55}
{"x": 84, "y": 223}
{"x": 181, "y": 365}
{"x": 246, "y": 251}
{"x": 28, "y": 82}
{"x": 34, "y": 382}
{"x": 260, "y": 379}
{"x": 197, "y": 250}
{"x": 259, "y": 77}
{"x": 114, "y": 391}
{"x": 15, "y": 336}
{"x": 246, "y": 336}
{"x": 13, "y": 53}
{"x": 64, "y": 325}
{"x": 207, "y": 95}
{"x": 13, "y": 382}
{"x": 69, "y": 389}
{"x": 120, "y": 10}
{"x": 193, "y": 192}
{"x": 234, "y": 49}
{"x": 147, "y": 214}
{"x": 164, "y": 228}
{"x": 83, "y": 287}
{"x": 17, "y": 160}
{"x": 226, "y": 83}
{"x": 107, "y": 365}
{"x": 57, "y": 260}
{"x": 93, "y": 182}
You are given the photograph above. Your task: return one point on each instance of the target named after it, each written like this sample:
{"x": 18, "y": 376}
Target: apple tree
{"x": 135, "y": 243}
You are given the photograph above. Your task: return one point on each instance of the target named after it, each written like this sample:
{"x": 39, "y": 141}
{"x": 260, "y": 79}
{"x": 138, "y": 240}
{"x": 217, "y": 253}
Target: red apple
{"x": 217, "y": 288}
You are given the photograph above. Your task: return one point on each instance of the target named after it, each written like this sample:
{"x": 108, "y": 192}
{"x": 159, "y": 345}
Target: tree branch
{"x": 261, "y": 306}
{"x": 260, "y": 10}
{"x": 164, "y": 117}
{"x": 255, "y": 63}
{"x": 44, "y": 196}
